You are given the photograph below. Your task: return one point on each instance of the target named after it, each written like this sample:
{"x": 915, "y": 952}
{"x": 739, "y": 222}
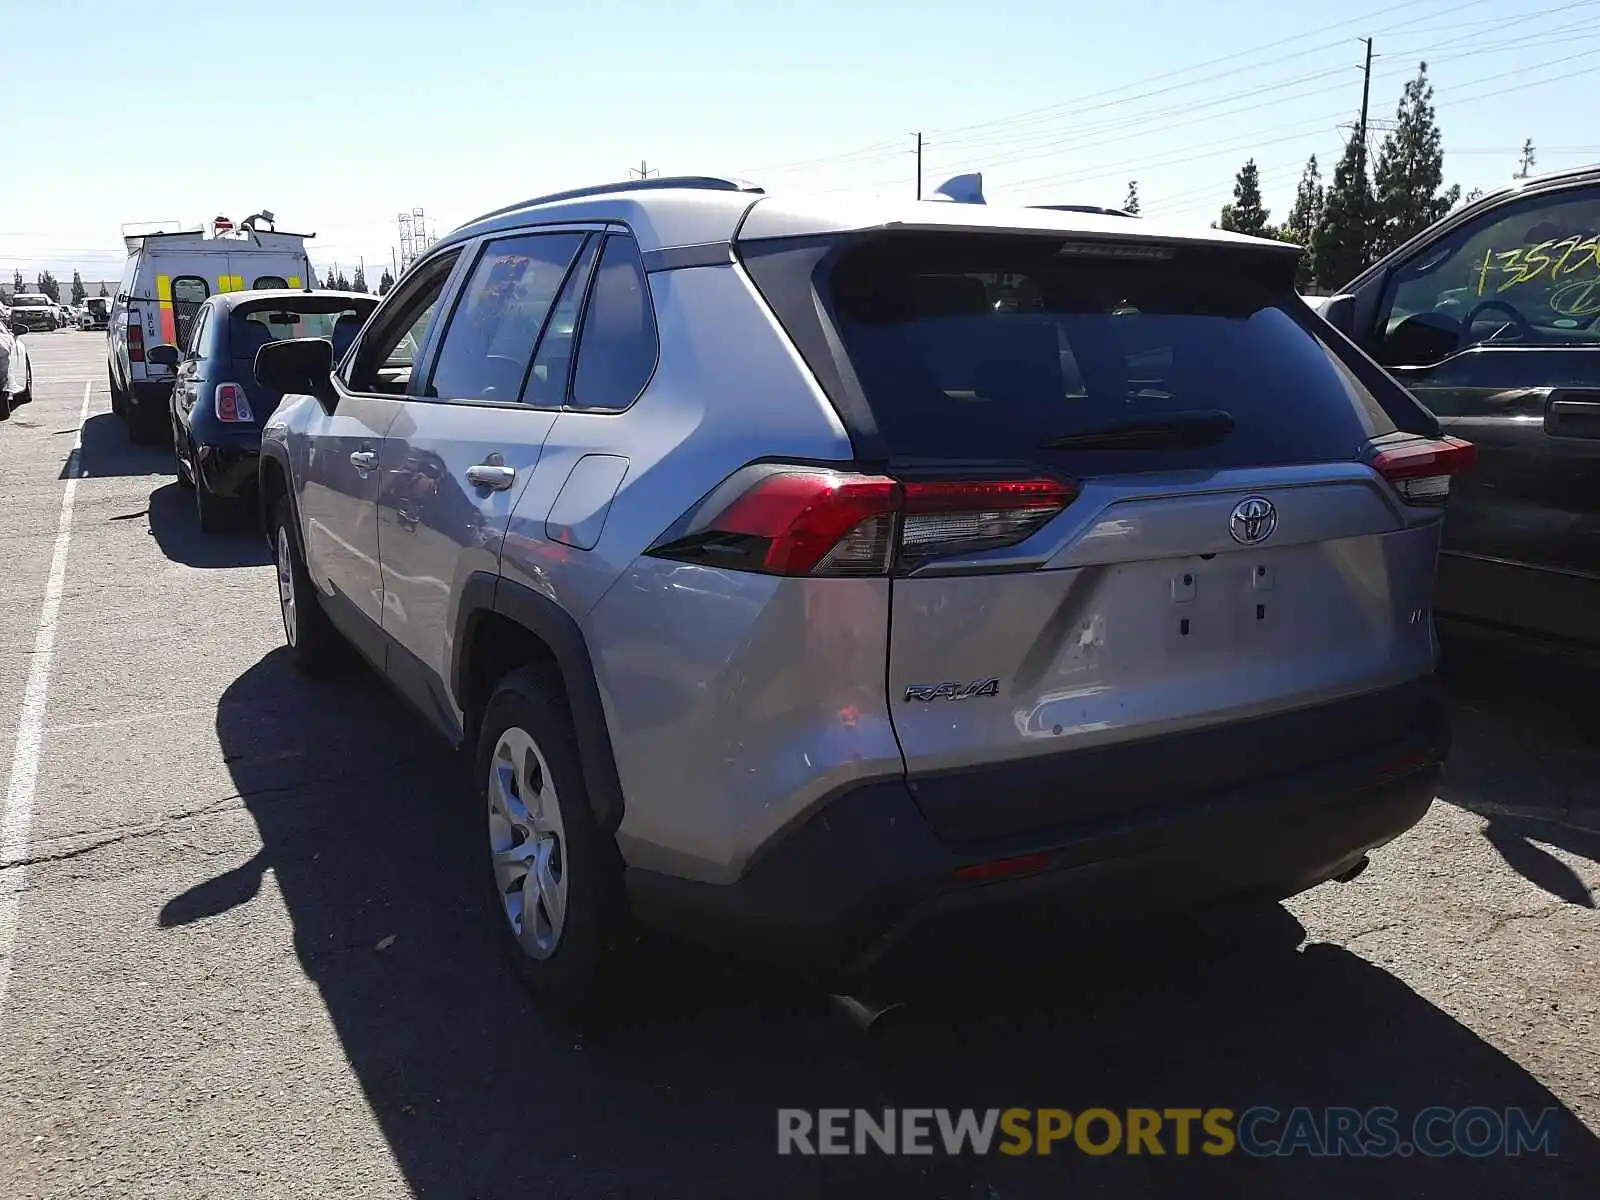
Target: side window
{"x": 617, "y": 347}
{"x": 389, "y": 346}
{"x": 491, "y": 337}
{"x": 189, "y": 292}
{"x": 269, "y": 281}
{"x": 552, "y": 364}
{"x": 1527, "y": 274}
{"x": 197, "y": 339}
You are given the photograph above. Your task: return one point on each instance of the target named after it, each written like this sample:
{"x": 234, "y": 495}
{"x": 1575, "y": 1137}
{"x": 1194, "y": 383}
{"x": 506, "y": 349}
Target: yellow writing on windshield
{"x": 1549, "y": 260}
{"x": 1576, "y": 298}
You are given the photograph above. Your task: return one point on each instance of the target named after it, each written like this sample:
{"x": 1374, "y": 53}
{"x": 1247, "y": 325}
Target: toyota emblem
{"x": 1253, "y": 520}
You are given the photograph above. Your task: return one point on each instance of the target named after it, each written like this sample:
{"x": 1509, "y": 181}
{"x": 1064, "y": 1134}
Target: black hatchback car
{"x": 218, "y": 407}
{"x": 1491, "y": 318}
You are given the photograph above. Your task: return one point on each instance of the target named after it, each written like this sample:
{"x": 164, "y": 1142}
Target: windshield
{"x": 31, "y": 302}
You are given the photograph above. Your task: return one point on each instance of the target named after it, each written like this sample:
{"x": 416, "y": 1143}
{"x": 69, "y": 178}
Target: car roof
{"x": 666, "y": 214}
{"x": 231, "y": 299}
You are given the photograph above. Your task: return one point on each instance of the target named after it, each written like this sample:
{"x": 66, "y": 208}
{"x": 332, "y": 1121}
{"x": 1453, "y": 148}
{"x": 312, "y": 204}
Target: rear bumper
{"x": 229, "y": 468}
{"x": 867, "y": 869}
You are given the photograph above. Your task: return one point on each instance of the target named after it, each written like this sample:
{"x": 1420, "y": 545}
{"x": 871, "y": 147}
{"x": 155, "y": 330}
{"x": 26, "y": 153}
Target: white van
{"x": 167, "y": 278}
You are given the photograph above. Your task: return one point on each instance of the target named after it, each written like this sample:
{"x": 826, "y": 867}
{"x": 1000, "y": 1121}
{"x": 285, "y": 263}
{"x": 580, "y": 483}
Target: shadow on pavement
{"x": 176, "y": 529}
{"x": 1527, "y": 758}
{"x": 108, "y": 452}
{"x": 365, "y": 825}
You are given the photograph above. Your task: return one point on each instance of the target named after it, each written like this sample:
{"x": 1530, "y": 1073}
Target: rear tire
{"x": 552, "y": 877}
{"x": 5, "y": 405}
{"x": 313, "y": 642}
{"x": 147, "y": 428}
{"x": 217, "y": 514}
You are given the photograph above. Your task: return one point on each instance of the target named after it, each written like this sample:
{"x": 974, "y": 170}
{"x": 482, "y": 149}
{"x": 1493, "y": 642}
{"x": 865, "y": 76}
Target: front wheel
{"x": 311, "y": 637}
{"x": 552, "y": 875}
{"x": 119, "y": 398}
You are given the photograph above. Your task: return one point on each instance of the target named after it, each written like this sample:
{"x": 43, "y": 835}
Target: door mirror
{"x": 162, "y": 356}
{"x": 1570, "y": 414}
{"x": 299, "y": 366}
{"x": 1340, "y": 312}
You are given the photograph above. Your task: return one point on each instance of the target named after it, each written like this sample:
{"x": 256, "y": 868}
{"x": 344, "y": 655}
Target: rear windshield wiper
{"x": 1168, "y": 432}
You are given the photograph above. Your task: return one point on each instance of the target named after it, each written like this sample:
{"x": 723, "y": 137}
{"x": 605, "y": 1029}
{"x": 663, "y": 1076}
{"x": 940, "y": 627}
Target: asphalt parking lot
{"x": 239, "y": 957}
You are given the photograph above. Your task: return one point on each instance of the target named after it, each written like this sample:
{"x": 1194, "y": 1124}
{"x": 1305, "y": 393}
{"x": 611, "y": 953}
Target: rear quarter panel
{"x": 734, "y": 701}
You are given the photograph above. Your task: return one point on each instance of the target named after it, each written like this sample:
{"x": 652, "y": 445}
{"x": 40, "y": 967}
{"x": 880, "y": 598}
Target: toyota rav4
{"x": 788, "y": 591}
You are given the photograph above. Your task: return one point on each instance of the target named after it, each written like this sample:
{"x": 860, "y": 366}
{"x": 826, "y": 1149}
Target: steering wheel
{"x": 1518, "y": 322}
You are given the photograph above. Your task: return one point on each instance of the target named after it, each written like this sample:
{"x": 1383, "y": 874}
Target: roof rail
{"x": 1086, "y": 208}
{"x": 711, "y": 183}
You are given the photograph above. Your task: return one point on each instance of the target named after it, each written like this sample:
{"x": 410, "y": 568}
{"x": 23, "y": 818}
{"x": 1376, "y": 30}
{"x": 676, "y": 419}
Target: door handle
{"x": 1573, "y": 418}
{"x": 492, "y": 476}
{"x": 364, "y": 460}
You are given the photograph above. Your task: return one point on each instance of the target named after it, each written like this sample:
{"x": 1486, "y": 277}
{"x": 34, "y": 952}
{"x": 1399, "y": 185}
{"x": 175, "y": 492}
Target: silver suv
{"x": 798, "y": 574}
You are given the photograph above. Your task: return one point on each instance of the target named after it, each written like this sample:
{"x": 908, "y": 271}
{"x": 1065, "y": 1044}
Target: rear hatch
{"x": 1143, "y": 496}
{"x": 256, "y": 323}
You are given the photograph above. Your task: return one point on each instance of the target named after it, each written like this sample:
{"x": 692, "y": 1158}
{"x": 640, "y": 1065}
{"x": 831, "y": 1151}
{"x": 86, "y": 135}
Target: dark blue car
{"x": 218, "y": 407}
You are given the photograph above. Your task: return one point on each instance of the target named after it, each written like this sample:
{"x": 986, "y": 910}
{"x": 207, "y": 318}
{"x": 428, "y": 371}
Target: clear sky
{"x": 337, "y": 115}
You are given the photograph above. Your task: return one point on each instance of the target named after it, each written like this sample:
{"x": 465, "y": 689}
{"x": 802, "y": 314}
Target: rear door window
{"x": 1001, "y": 347}
{"x": 489, "y": 343}
{"x": 189, "y": 292}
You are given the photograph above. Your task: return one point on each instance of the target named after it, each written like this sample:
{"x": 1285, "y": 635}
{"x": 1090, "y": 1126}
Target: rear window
{"x": 995, "y": 347}
{"x": 253, "y": 328}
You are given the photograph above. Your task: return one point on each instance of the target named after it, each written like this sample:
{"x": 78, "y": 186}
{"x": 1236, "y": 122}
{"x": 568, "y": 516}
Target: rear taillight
{"x": 231, "y": 403}
{"x": 1420, "y": 471}
{"x": 135, "y": 342}
{"x": 812, "y": 521}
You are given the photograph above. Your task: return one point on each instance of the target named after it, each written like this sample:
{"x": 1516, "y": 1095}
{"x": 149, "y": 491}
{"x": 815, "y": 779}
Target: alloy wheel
{"x": 527, "y": 843}
{"x": 291, "y": 623}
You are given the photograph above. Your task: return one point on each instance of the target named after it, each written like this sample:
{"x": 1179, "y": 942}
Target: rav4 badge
{"x": 952, "y": 689}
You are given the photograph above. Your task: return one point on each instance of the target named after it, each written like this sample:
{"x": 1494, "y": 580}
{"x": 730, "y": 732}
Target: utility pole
{"x": 1366, "y": 93}
{"x": 918, "y": 136}
{"x": 642, "y": 171}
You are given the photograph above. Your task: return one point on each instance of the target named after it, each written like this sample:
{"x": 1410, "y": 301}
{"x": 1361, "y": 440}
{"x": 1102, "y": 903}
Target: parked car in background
{"x": 16, "y": 372}
{"x": 167, "y": 278}
{"x": 792, "y": 594}
{"x": 1492, "y": 319}
{"x": 32, "y": 312}
{"x": 218, "y": 405}
{"x": 96, "y": 312}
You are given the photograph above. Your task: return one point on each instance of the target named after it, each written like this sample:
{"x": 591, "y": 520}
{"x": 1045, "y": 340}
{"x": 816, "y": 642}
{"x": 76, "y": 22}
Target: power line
{"x": 1252, "y": 52}
{"x": 1120, "y": 128}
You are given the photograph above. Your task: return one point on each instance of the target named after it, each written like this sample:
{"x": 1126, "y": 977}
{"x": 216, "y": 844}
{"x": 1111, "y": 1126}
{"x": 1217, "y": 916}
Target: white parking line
{"x": 17, "y": 815}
